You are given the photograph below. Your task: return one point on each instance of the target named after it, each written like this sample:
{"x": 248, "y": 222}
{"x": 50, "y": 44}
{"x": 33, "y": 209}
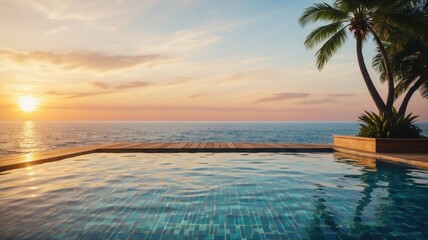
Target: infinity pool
{"x": 214, "y": 196}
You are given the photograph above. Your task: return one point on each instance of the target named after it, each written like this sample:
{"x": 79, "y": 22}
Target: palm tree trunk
{"x": 409, "y": 94}
{"x": 387, "y": 68}
{"x": 369, "y": 83}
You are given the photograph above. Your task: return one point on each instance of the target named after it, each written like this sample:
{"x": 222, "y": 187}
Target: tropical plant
{"x": 409, "y": 62}
{"x": 410, "y": 65}
{"x": 363, "y": 18}
{"x": 395, "y": 126}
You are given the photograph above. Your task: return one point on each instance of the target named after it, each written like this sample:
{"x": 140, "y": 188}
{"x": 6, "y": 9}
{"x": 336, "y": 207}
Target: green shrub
{"x": 396, "y": 126}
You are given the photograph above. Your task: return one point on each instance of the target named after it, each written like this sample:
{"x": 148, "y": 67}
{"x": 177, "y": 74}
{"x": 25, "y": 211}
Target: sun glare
{"x": 27, "y": 103}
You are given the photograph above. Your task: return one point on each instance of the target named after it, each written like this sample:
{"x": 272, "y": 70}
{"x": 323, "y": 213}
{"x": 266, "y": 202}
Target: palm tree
{"x": 363, "y": 18}
{"x": 409, "y": 56}
{"x": 410, "y": 66}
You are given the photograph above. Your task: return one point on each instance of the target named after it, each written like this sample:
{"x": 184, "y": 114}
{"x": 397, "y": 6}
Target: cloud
{"x": 55, "y": 31}
{"x": 254, "y": 75}
{"x": 7, "y": 106}
{"x": 93, "y": 61}
{"x": 87, "y": 94}
{"x": 197, "y": 95}
{"x": 77, "y": 94}
{"x": 106, "y": 87}
{"x": 233, "y": 77}
{"x": 282, "y": 96}
{"x": 55, "y": 93}
{"x": 134, "y": 84}
{"x": 177, "y": 81}
{"x": 143, "y": 108}
{"x": 83, "y": 10}
{"x": 131, "y": 84}
{"x": 101, "y": 85}
{"x": 341, "y": 95}
{"x": 186, "y": 40}
{"x": 318, "y": 101}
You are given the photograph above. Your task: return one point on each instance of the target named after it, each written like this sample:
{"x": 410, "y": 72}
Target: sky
{"x": 188, "y": 60}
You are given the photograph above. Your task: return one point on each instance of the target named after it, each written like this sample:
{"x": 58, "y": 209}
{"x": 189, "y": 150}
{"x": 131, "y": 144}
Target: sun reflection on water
{"x": 32, "y": 189}
{"x": 28, "y": 138}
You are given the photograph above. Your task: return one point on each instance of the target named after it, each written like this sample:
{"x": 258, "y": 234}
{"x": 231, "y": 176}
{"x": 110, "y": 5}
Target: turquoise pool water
{"x": 214, "y": 196}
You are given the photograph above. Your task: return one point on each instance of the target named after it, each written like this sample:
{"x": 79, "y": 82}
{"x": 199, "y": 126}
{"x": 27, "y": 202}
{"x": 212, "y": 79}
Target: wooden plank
{"x": 133, "y": 146}
{"x": 243, "y": 146}
{"x": 120, "y": 145}
{"x": 238, "y": 145}
{"x": 273, "y": 146}
{"x": 171, "y": 145}
{"x": 230, "y": 145}
{"x": 248, "y": 146}
{"x": 147, "y": 145}
{"x": 157, "y": 145}
{"x": 180, "y": 145}
{"x": 216, "y": 145}
{"x": 209, "y": 145}
{"x": 202, "y": 145}
{"x": 223, "y": 145}
{"x": 195, "y": 145}
{"x": 263, "y": 145}
{"x": 188, "y": 145}
{"x": 162, "y": 145}
{"x": 49, "y": 156}
{"x": 255, "y": 145}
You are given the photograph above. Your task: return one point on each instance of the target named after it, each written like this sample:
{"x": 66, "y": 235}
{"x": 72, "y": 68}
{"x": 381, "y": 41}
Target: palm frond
{"x": 412, "y": 23}
{"x": 377, "y": 63}
{"x": 401, "y": 88}
{"x": 330, "y": 47}
{"x": 424, "y": 90}
{"x": 321, "y": 11}
{"x": 348, "y": 5}
{"x": 322, "y": 33}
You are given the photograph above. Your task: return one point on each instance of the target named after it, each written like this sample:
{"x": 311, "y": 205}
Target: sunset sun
{"x": 27, "y": 103}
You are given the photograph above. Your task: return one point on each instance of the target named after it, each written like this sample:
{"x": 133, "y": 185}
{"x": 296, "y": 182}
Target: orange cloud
{"x": 131, "y": 84}
{"x": 94, "y": 61}
{"x": 106, "y": 87}
{"x": 175, "y": 108}
{"x": 282, "y": 96}
{"x": 341, "y": 95}
{"x": 101, "y": 85}
{"x": 76, "y": 94}
{"x": 319, "y": 101}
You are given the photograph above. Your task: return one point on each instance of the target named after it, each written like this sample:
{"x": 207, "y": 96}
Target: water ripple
{"x": 176, "y": 196}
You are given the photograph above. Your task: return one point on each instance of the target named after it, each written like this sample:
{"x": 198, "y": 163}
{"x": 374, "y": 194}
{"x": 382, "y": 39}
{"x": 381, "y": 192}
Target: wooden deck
{"x": 161, "y": 147}
{"x": 19, "y": 161}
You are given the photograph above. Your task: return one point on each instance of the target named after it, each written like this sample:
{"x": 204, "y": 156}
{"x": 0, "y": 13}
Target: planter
{"x": 382, "y": 145}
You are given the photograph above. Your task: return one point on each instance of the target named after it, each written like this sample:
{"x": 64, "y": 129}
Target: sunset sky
{"x": 174, "y": 60}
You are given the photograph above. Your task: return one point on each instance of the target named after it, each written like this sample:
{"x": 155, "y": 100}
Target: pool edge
{"x": 20, "y": 161}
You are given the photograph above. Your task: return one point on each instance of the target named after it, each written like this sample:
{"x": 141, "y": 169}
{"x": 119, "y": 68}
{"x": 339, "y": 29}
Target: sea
{"x": 29, "y": 136}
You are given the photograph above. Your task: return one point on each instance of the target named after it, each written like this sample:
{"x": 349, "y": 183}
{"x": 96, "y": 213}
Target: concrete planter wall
{"x": 382, "y": 145}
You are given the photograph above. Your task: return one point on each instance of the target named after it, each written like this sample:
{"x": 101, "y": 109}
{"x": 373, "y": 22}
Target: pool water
{"x": 214, "y": 196}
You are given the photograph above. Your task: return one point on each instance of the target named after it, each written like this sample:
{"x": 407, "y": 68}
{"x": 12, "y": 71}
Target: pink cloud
{"x": 94, "y": 61}
{"x": 282, "y": 96}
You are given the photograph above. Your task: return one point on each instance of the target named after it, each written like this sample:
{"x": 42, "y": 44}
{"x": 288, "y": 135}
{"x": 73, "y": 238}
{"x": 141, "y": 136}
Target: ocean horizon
{"x": 21, "y": 137}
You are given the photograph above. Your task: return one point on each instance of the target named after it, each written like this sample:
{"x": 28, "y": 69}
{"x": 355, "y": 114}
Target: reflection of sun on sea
{"x": 27, "y": 103}
{"x": 28, "y": 139}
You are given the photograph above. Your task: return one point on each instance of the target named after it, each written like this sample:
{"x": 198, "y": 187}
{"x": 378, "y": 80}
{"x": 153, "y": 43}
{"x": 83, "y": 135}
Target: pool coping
{"x": 25, "y": 160}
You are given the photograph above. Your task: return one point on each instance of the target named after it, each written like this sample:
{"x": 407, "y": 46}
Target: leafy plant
{"x": 395, "y": 126}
